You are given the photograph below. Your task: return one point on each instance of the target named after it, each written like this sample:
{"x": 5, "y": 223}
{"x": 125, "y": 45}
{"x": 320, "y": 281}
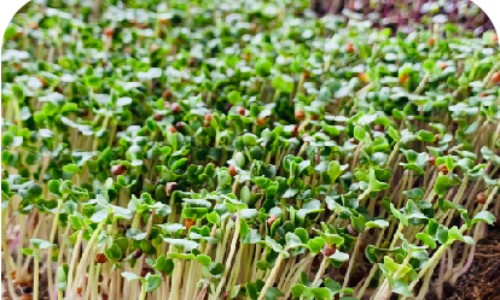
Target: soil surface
{"x": 482, "y": 281}
{"x": 405, "y": 14}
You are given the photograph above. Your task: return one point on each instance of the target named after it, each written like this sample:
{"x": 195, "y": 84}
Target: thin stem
{"x": 142, "y": 295}
{"x": 352, "y": 262}
{"x": 90, "y": 246}
{"x": 467, "y": 265}
{"x": 272, "y": 276}
{"x": 367, "y": 281}
{"x": 373, "y": 270}
{"x": 431, "y": 263}
{"x": 229, "y": 258}
{"x": 53, "y": 232}
{"x": 36, "y": 274}
{"x": 321, "y": 270}
{"x": 74, "y": 257}
{"x": 8, "y": 270}
{"x": 396, "y": 235}
{"x": 422, "y": 83}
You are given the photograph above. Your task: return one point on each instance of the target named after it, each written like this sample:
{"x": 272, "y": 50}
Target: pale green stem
{"x": 272, "y": 276}
{"x": 321, "y": 271}
{"x": 229, "y": 258}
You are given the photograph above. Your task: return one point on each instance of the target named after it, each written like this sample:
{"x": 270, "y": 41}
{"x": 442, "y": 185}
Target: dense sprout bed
{"x": 242, "y": 150}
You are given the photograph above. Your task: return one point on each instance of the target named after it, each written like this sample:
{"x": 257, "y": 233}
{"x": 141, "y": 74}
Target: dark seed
{"x": 167, "y": 94}
{"x": 108, "y": 32}
{"x": 100, "y": 258}
{"x": 180, "y": 126}
{"x": 232, "y": 170}
{"x": 443, "y": 169}
{"x": 241, "y": 111}
{"x": 271, "y": 220}
{"x": 118, "y": 170}
{"x": 170, "y": 187}
{"x": 176, "y": 108}
{"x": 207, "y": 119}
{"x": 349, "y": 48}
{"x": 171, "y": 129}
{"x": 437, "y": 137}
{"x": 495, "y": 78}
{"x": 481, "y": 198}
{"x": 188, "y": 223}
{"x": 144, "y": 272}
{"x": 27, "y": 289}
{"x": 307, "y": 74}
{"x": 137, "y": 253}
{"x": 158, "y": 117}
{"x": 329, "y": 250}
{"x": 300, "y": 115}
{"x": 261, "y": 121}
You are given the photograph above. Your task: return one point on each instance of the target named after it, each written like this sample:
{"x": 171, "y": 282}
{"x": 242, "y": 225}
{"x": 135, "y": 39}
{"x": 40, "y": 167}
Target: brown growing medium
{"x": 406, "y": 14}
{"x": 482, "y": 281}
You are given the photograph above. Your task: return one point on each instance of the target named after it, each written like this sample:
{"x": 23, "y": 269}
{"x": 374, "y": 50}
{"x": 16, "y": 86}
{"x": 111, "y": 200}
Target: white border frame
{"x": 8, "y": 8}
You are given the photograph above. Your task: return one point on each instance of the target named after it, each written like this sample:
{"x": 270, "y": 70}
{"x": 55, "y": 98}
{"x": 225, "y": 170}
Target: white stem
{"x": 321, "y": 271}
{"x": 272, "y": 276}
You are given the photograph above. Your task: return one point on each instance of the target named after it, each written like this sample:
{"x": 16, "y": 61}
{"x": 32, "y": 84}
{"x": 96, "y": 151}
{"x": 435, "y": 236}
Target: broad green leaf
{"x": 183, "y": 244}
{"x": 40, "y": 244}
{"x": 62, "y": 277}
{"x": 292, "y": 241}
{"x": 400, "y": 216}
{"x": 273, "y": 244}
{"x": 152, "y": 282}
{"x": 377, "y": 224}
{"x": 164, "y": 265}
{"x": 374, "y": 184}
{"x": 443, "y": 182}
{"x": 426, "y": 239}
{"x": 339, "y": 256}
{"x": 114, "y": 253}
{"x": 484, "y": 216}
{"x": 130, "y": 276}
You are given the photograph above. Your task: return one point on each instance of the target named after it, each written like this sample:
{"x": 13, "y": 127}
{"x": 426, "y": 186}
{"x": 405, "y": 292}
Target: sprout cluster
{"x": 241, "y": 150}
